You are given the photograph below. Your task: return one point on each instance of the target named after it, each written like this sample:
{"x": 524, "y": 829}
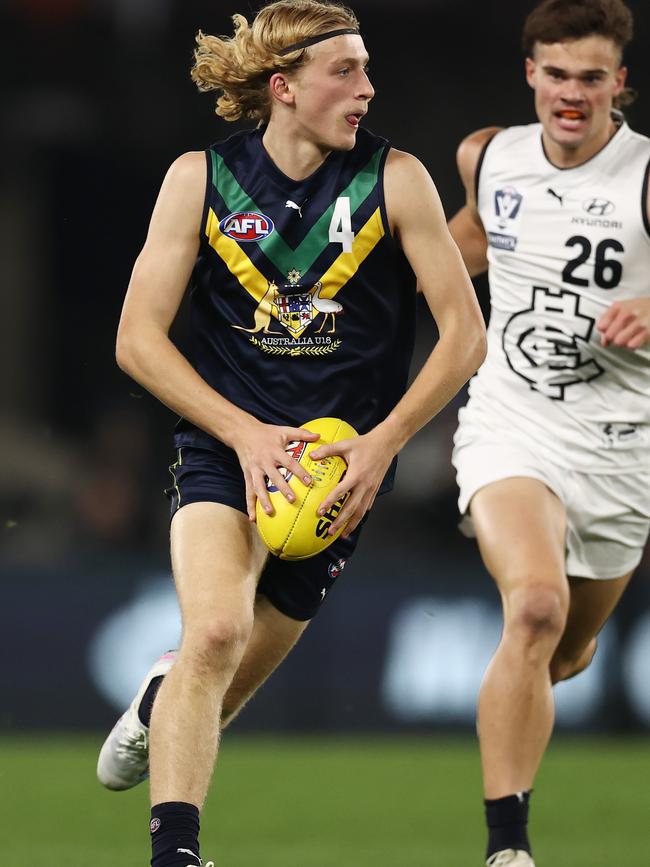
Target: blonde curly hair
{"x": 240, "y": 66}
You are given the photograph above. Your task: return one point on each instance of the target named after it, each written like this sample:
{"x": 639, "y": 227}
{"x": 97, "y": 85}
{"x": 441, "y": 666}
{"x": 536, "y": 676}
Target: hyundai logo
{"x": 599, "y": 207}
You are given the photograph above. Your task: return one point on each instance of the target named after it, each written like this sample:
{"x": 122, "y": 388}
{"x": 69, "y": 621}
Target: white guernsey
{"x": 564, "y": 244}
{"x": 553, "y": 448}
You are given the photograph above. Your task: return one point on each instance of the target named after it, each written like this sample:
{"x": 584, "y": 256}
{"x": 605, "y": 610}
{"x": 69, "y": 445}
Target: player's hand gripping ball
{"x": 295, "y": 530}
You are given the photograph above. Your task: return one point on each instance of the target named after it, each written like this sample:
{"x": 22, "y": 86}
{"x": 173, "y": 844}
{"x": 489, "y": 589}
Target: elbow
{"x": 477, "y": 350}
{"x": 124, "y": 354}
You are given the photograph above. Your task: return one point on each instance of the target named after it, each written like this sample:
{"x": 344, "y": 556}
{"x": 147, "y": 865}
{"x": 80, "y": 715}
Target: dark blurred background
{"x": 96, "y": 102}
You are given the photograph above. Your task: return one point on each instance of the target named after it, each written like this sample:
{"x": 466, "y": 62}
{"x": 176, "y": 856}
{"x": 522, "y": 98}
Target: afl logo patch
{"x": 154, "y": 825}
{"x": 246, "y": 226}
{"x": 335, "y": 569}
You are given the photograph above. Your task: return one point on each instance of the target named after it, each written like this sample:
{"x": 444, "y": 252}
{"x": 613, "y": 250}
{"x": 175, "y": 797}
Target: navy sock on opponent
{"x": 507, "y": 821}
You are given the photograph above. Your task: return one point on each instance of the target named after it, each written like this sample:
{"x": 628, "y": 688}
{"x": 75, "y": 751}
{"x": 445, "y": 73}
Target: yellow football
{"x": 295, "y": 530}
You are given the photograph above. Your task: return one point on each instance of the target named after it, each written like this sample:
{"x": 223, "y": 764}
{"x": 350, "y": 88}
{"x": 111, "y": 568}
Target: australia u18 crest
{"x": 295, "y": 311}
{"x": 295, "y": 307}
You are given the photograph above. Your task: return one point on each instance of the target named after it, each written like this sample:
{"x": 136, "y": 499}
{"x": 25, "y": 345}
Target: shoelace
{"x": 132, "y": 747}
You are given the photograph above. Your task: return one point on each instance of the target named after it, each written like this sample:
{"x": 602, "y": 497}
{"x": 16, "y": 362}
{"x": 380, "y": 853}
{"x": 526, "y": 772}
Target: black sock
{"x": 146, "y": 705}
{"x": 174, "y": 826}
{"x": 507, "y": 821}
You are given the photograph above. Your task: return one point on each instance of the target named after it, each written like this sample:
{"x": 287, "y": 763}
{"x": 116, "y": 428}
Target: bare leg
{"x": 592, "y": 602}
{"x": 217, "y": 559}
{"x": 520, "y": 526}
{"x": 273, "y": 636}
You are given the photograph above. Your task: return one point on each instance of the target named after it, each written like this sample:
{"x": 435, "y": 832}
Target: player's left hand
{"x": 368, "y": 458}
{"x": 626, "y": 323}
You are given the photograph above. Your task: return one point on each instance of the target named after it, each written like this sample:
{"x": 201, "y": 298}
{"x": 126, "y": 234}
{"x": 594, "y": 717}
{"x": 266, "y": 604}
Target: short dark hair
{"x": 561, "y": 20}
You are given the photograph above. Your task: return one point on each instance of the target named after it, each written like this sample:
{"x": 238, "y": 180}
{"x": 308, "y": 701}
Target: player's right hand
{"x": 261, "y": 450}
{"x": 626, "y": 323}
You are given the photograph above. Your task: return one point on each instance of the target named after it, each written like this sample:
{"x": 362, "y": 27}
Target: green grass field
{"x": 318, "y": 802}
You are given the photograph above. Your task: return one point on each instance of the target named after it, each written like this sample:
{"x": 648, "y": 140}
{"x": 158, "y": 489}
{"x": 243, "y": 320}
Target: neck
{"x": 294, "y": 155}
{"x": 567, "y": 158}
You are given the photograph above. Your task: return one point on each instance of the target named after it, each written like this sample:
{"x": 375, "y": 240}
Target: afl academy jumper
{"x": 302, "y": 304}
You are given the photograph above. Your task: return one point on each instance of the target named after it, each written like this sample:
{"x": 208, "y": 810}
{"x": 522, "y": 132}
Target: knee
{"x": 565, "y": 665}
{"x": 218, "y": 642}
{"x": 537, "y": 612}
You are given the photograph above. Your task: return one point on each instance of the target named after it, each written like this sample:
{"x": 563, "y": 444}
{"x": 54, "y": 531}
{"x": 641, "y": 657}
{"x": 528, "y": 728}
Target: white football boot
{"x": 124, "y": 757}
{"x": 510, "y": 858}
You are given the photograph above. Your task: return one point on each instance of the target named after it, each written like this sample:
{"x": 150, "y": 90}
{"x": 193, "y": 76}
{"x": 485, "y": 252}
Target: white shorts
{"x": 608, "y": 516}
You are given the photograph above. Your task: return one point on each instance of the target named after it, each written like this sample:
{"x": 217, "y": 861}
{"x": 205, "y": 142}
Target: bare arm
{"x": 160, "y": 276}
{"x": 466, "y": 227}
{"x": 146, "y": 353}
{"x": 419, "y": 224}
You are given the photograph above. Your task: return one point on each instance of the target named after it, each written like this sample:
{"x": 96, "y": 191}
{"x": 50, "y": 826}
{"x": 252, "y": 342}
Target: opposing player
{"x": 277, "y": 230}
{"x": 553, "y": 449}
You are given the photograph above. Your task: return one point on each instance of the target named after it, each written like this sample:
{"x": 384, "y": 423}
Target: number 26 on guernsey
{"x": 341, "y": 224}
{"x": 607, "y": 272}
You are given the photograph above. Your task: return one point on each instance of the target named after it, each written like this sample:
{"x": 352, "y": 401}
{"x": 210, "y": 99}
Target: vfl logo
{"x": 246, "y": 226}
{"x": 599, "y": 207}
{"x": 507, "y": 203}
{"x": 547, "y": 343}
{"x": 296, "y": 449}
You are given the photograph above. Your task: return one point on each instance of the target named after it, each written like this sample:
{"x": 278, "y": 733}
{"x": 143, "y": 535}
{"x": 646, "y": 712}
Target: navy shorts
{"x": 296, "y": 588}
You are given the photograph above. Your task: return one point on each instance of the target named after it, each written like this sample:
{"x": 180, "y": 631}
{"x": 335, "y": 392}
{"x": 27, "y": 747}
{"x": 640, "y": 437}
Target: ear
{"x": 280, "y": 88}
{"x": 531, "y": 67}
{"x": 621, "y": 78}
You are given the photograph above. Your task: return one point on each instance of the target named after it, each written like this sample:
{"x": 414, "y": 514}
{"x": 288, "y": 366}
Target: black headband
{"x": 314, "y": 39}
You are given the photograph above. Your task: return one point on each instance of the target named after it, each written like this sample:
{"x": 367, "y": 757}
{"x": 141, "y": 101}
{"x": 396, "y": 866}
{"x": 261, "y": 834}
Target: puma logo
{"x": 555, "y": 195}
{"x": 290, "y": 204}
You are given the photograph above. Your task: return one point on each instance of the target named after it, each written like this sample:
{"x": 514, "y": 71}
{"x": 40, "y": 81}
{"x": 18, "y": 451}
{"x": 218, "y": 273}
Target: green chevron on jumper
{"x": 313, "y": 244}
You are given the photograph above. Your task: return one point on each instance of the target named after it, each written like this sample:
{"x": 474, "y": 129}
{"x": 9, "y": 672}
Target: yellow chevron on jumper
{"x": 262, "y": 291}
{"x": 346, "y": 265}
{"x": 237, "y": 262}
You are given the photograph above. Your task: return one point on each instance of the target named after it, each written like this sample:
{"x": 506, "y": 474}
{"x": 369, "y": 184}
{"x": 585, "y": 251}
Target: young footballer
{"x": 553, "y": 448}
{"x": 302, "y": 241}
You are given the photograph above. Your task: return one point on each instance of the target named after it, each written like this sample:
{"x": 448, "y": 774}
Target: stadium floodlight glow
{"x": 438, "y": 651}
{"x": 131, "y": 638}
{"x": 636, "y": 668}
